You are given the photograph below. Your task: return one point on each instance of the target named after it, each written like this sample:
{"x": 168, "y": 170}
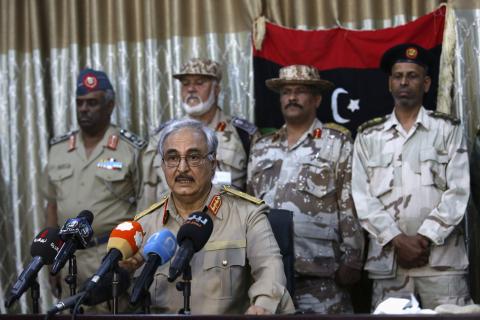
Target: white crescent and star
{"x": 353, "y": 106}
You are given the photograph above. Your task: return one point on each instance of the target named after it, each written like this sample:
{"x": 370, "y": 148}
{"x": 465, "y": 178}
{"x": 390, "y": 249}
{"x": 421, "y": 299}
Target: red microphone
{"x": 124, "y": 242}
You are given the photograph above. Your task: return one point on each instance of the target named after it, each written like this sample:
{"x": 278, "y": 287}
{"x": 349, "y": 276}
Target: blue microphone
{"x": 159, "y": 249}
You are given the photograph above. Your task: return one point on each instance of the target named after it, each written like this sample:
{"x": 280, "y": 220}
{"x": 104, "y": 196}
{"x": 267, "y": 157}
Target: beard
{"x": 202, "y": 107}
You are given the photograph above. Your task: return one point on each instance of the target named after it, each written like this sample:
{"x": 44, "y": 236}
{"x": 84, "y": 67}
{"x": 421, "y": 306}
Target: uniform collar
{"x": 281, "y": 134}
{"x": 422, "y": 119}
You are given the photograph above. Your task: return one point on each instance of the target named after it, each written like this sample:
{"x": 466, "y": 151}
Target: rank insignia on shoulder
{"x": 133, "y": 139}
{"x": 64, "y": 137}
{"x": 337, "y": 127}
{"x": 112, "y": 142}
{"x": 372, "y": 122}
{"x": 151, "y": 209}
{"x": 221, "y": 126}
{"x": 215, "y": 204}
{"x": 244, "y": 124}
{"x": 445, "y": 116}
{"x": 242, "y": 195}
{"x": 110, "y": 164}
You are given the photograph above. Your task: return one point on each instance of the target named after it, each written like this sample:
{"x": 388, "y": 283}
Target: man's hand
{"x": 55, "y": 285}
{"x": 133, "y": 263}
{"x": 257, "y": 310}
{"x": 412, "y": 251}
{"x": 347, "y": 276}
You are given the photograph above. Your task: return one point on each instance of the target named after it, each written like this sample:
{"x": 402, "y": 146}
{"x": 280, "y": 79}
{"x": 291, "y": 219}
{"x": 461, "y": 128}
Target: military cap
{"x": 90, "y": 80}
{"x": 407, "y": 52}
{"x": 200, "y": 67}
{"x": 301, "y": 75}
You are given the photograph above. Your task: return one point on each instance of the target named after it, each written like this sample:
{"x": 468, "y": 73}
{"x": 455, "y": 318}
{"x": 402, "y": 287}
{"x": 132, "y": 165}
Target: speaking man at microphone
{"x": 93, "y": 168}
{"x": 239, "y": 269}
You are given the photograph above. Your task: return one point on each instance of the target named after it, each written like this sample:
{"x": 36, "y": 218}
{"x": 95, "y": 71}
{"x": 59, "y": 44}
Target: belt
{"x": 96, "y": 241}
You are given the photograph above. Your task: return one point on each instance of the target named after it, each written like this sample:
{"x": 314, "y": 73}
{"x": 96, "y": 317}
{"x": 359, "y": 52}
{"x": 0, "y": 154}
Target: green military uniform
{"x": 106, "y": 183}
{"x": 239, "y": 266}
{"x": 231, "y": 155}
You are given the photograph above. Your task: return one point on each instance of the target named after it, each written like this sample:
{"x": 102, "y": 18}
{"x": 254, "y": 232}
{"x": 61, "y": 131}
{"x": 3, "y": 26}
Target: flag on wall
{"x": 348, "y": 58}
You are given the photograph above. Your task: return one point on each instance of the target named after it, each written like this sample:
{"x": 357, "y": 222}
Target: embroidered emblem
{"x": 112, "y": 142}
{"x": 215, "y": 204}
{"x": 90, "y": 81}
{"x": 411, "y": 53}
{"x": 110, "y": 164}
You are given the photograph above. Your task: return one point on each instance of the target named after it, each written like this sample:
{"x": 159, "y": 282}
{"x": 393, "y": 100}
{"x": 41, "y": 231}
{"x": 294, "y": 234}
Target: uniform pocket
{"x": 316, "y": 179}
{"x": 314, "y": 251}
{"x": 60, "y": 178}
{"x": 433, "y": 165}
{"x": 224, "y": 270}
{"x": 380, "y": 172}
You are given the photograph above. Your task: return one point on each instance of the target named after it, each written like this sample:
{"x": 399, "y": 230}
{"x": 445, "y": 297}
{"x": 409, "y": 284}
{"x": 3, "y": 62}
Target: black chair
{"x": 282, "y": 227}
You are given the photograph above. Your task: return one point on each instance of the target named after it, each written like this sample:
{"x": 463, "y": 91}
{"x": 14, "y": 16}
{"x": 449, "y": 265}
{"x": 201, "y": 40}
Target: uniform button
{"x": 224, "y": 263}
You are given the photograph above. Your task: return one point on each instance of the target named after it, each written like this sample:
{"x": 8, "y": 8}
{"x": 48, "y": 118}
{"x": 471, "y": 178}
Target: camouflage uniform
{"x": 414, "y": 183}
{"x": 234, "y": 138}
{"x": 240, "y": 264}
{"x": 312, "y": 179}
{"x": 106, "y": 183}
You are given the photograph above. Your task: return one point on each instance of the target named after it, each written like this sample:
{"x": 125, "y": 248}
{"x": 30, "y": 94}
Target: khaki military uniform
{"x": 231, "y": 155}
{"x": 106, "y": 183}
{"x": 240, "y": 265}
{"x": 413, "y": 183}
{"x": 312, "y": 179}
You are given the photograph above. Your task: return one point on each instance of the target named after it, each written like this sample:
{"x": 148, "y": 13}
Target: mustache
{"x": 184, "y": 177}
{"x": 292, "y": 104}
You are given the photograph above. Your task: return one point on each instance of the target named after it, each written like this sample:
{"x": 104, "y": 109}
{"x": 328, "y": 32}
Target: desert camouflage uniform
{"x": 312, "y": 179}
{"x": 415, "y": 182}
{"x": 239, "y": 266}
{"x": 231, "y": 156}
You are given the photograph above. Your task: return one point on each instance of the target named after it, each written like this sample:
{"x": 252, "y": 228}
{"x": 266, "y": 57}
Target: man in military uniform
{"x": 95, "y": 168}
{"x": 240, "y": 269}
{"x": 411, "y": 186}
{"x": 305, "y": 167}
{"x": 200, "y": 87}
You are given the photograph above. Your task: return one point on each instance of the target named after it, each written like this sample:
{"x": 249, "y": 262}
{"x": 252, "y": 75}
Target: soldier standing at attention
{"x": 411, "y": 187}
{"x": 200, "y": 87}
{"x": 305, "y": 167}
{"x": 95, "y": 168}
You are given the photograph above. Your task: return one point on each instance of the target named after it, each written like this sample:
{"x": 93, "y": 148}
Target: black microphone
{"x": 159, "y": 249}
{"x": 76, "y": 233}
{"x": 101, "y": 293}
{"x": 44, "y": 248}
{"x": 123, "y": 243}
{"x": 191, "y": 237}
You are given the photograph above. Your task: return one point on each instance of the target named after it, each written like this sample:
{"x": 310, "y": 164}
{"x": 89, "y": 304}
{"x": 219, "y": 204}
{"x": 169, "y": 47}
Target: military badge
{"x": 317, "y": 133}
{"x": 112, "y": 142}
{"x": 221, "y": 126}
{"x": 110, "y": 164}
{"x": 411, "y": 53}
{"x": 90, "y": 81}
{"x": 215, "y": 204}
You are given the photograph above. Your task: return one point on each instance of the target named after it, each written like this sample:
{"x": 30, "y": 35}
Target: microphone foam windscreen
{"x": 126, "y": 238}
{"x": 198, "y": 227}
{"x": 87, "y": 214}
{"x": 46, "y": 244}
{"x": 103, "y": 291}
{"x": 163, "y": 243}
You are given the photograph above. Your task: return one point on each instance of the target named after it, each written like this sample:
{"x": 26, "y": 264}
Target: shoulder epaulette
{"x": 337, "y": 127}
{"x": 445, "y": 116}
{"x": 61, "y": 138}
{"x": 371, "y": 123}
{"x": 150, "y": 209}
{"x": 242, "y": 195}
{"x": 133, "y": 139}
{"x": 244, "y": 124}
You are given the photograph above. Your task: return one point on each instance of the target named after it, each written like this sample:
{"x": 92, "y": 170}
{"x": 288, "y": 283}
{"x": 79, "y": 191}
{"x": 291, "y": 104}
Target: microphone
{"x": 159, "y": 248}
{"x": 101, "y": 293}
{"x": 76, "y": 233}
{"x": 43, "y": 250}
{"x": 191, "y": 237}
{"x": 123, "y": 243}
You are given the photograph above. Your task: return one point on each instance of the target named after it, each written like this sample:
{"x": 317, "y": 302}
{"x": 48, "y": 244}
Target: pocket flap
{"x": 380, "y": 160}
{"x": 433, "y": 155}
{"x": 60, "y": 174}
{"x": 224, "y": 258}
{"x": 111, "y": 175}
{"x": 315, "y": 230}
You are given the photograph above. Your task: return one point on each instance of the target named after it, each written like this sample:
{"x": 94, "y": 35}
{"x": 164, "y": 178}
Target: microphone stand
{"x": 35, "y": 294}
{"x": 71, "y": 278}
{"x": 115, "y": 282}
{"x": 186, "y": 287}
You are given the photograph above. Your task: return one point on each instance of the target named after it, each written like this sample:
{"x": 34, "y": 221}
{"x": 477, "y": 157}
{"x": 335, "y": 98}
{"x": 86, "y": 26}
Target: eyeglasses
{"x": 193, "y": 160}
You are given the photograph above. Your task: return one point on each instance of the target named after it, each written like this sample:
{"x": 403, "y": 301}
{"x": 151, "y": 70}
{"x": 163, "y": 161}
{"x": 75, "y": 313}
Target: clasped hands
{"x": 412, "y": 251}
